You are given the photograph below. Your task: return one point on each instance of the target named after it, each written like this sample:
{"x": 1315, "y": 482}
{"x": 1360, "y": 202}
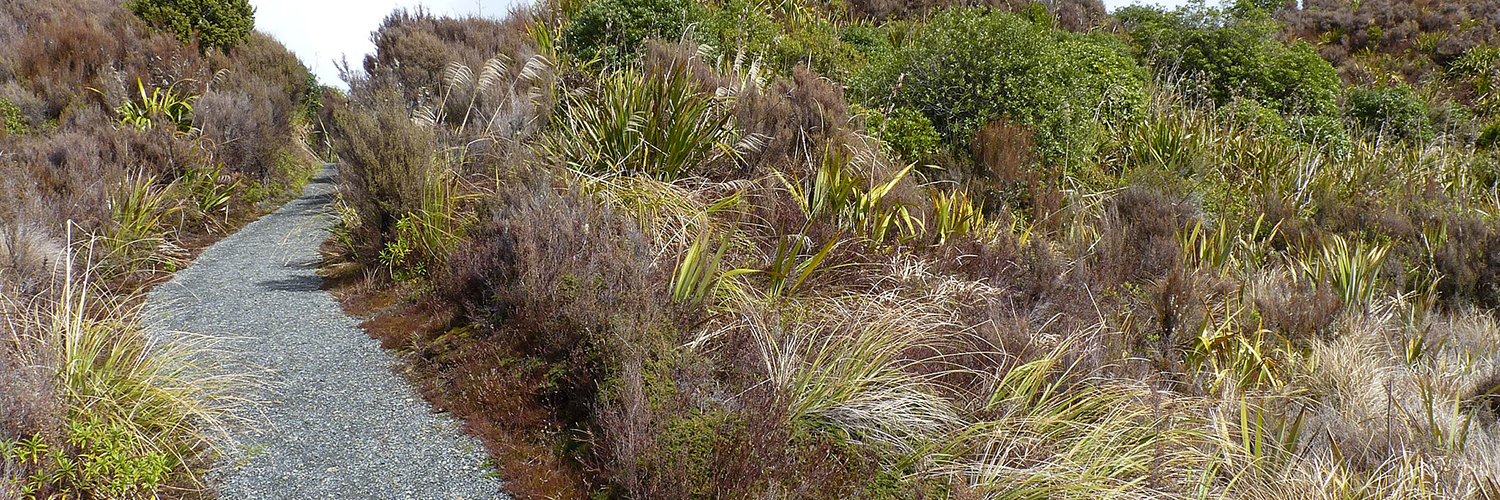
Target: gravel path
{"x": 336, "y": 423}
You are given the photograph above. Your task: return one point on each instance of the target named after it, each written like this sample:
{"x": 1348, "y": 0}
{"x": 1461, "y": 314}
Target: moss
{"x": 690, "y": 442}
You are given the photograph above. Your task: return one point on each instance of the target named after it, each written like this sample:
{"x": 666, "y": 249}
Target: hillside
{"x": 133, "y": 136}
{"x": 735, "y": 249}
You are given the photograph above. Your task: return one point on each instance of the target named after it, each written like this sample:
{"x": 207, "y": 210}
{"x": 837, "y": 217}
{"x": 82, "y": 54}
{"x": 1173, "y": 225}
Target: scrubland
{"x": 126, "y": 147}
{"x": 740, "y": 249}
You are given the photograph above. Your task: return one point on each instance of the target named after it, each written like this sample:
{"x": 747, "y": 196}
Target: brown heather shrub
{"x": 1138, "y": 236}
{"x": 266, "y": 59}
{"x": 415, "y": 46}
{"x": 796, "y": 119}
{"x": 563, "y": 279}
{"x": 1470, "y": 262}
{"x": 1005, "y": 149}
{"x": 72, "y": 172}
{"x": 384, "y": 159}
{"x": 248, "y": 127}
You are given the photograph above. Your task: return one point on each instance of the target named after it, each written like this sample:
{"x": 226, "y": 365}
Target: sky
{"x": 322, "y": 31}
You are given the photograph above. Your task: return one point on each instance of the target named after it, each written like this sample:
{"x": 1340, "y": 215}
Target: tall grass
{"x": 141, "y": 409}
{"x": 841, "y": 365}
{"x": 134, "y": 239}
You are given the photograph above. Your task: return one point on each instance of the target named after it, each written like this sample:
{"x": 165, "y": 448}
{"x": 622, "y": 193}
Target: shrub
{"x": 616, "y": 31}
{"x": 790, "y": 117}
{"x": 385, "y": 158}
{"x": 909, "y": 133}
{"x": 1231, "y": 54}
{"x": 1489, "y": 137}
{"x": 220, "y": 24}
{"x": 1390, "y": 110}
{"x": 11, "y": 119}
{"x": 248, "y": 133}
{"x": 1254, "y": 115}
{"x": 971, "y": 66}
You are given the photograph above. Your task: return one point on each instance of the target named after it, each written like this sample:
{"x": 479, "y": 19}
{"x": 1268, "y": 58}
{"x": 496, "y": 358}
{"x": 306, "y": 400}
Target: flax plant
{"x": 655, "y": 125}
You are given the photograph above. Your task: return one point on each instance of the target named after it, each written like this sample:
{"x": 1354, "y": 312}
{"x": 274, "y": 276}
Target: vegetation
{"x": 857, "y": 250}
{"x": 1066, "y": 87}
{"x": 126, "y": 149}
{"x": 1228, "y": 53}
{"x": 218, "y": 24}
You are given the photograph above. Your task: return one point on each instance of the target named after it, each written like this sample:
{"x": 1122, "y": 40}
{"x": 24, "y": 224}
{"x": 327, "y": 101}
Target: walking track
{"x": 334, "y": 421}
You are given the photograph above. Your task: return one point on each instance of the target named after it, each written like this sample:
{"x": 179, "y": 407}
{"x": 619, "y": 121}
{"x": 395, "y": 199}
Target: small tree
{"x": 220, "y": 24}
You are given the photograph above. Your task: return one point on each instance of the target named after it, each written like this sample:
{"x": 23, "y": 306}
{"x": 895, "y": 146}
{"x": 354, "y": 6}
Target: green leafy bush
{"x": 1228, "y": 54}
{"x": 971, "y": 66}
{"x": 1254, "y": 115}
{"x": 1390, "y": 110}
{"x": 11, "y": 119}
{"x": 907, "y": 132}
{"x": 1489, "y": 138}
{"x": 220, "y": 24}
{"x": 616, "y": 31}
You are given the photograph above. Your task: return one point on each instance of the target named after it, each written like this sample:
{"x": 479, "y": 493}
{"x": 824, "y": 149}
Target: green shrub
{"x": 1489, "y": 138}
{"x": 1252, "y": 114}
{"x": 971, "y": 66}
{"x": 1390, "y": 110}
{"x": 11, "y": 119}
{"x": 1230, "y": 54}
{"x": 782, "y": 41}
{"x": 616, "y": 31}
{"x": 908, "y": 133}
{"x": 220, "y": 24}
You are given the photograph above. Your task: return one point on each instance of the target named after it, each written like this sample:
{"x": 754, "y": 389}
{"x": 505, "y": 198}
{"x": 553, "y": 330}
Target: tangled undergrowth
{"x": 686, "y": 263}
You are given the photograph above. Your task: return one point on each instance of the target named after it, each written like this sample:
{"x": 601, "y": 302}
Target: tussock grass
{"x": 161, "y": 400}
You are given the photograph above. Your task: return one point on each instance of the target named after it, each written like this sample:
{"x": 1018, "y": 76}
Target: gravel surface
{"x": 334, "y": 421}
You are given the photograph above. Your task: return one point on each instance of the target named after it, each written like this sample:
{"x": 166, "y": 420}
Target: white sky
{"x": 322, "y": 31}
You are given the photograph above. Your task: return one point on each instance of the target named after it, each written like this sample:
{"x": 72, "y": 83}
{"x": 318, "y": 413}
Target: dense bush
{"x": 970, "y": 66}
{"x": 107, "y": 187}
{"x": 1096, "y": 271}
{"x": 909, "y": 133}
{"x": 1229, "y": 54}
{"x": 220, "y": 24}
{"x": 384, "y": 162}
{"x": 616, "y": 31}
{"x": 1392, "y": 110}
